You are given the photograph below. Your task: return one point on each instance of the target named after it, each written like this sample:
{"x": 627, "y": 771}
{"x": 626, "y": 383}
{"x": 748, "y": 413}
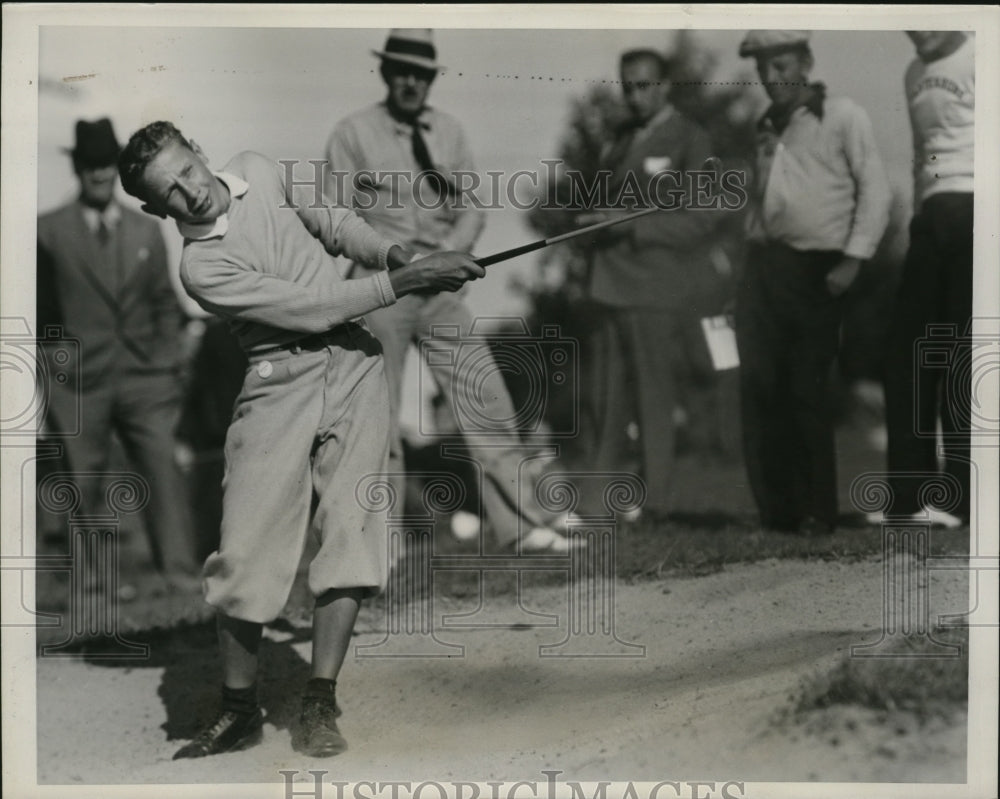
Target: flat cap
{"x": 757, "y": 42}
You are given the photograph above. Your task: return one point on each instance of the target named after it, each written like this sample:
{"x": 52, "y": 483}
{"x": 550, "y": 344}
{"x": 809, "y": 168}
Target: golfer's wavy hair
{"x": 143, "y": 146}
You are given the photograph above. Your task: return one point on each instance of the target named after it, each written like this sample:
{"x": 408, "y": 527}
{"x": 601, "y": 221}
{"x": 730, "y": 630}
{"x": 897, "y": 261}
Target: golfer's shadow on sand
{"x": 191, "y": 686}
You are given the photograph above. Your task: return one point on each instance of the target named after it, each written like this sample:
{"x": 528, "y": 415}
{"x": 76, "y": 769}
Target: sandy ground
{"x": 723, "y": 654}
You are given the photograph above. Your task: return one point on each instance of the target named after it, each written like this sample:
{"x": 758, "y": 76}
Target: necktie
{"x": 438, "y": 181}
{"x": 103, "y": 232}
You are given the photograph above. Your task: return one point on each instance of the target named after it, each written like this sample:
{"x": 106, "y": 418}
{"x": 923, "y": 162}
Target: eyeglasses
{"x": 406, "y": 71}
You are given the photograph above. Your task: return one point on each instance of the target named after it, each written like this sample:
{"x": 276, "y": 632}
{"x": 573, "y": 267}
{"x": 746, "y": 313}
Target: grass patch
{"x": 925, "y": 686}
{"x": 691, "y": 545}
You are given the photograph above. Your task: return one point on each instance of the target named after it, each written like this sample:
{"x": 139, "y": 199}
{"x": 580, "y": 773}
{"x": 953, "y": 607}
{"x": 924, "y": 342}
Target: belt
{"x": 313, "y": 342}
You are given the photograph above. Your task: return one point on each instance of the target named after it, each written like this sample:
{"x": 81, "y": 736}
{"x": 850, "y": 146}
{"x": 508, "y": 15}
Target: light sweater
{"x": 826, "y": 188}
{"x": 369, "y": 146}
{"x": 942, "y": 100}
{"x": 268, "y": 266}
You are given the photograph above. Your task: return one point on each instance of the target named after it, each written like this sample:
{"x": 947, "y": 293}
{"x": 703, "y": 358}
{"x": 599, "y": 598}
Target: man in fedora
{"x": 820, "y": 206}
{"x": 102, "y": 277}
{"x": 423, "y": 209}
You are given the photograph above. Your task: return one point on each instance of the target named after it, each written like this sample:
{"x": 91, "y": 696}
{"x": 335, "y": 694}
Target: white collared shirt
{"x": 218, "y": 228}
{"x": 110, "y": 216}
{"x": 374, "y": 149}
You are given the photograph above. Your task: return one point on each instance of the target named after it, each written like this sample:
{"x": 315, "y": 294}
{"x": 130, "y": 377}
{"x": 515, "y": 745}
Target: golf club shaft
{"x": 488, "y": 260}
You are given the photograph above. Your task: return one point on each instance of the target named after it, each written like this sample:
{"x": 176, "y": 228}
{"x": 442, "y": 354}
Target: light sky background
{"x": 280, "y": 91}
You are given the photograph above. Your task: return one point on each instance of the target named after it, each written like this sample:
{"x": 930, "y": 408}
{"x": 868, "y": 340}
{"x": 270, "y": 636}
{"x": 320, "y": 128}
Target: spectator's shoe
{"x": 127, "y": 592}
{"x": 317, "y": 734}
{"x": 940, "y": 517}
{"x": 181, "y": 583}
{"x": 465, "y": 526}
{"x": 635, "y": 515}
{"x": 545, "y": 541}
{"x": 937, "y": 518}
{"x": 93, "y": 586}
{"x": 230, "y": 732}
{"x": 811, "y": 527}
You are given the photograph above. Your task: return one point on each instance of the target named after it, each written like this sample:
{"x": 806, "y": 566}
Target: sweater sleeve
{"x": 873, "y": 197}
{"x": 342, "y": 162}
{"x": 339, "y": 229}
{"x": 230, "y": 290}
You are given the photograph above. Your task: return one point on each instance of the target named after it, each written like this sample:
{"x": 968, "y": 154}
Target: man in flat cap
{"x": 103, "y": 278}
{"x": 422, "y": 208}
{"x": 821, "y": 205}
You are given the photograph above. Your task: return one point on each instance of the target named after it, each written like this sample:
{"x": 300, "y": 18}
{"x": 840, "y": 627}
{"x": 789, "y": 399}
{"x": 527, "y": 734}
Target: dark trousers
{"x": 928, "y": 369}
{"x": 633, "y": 358}
{"x": 143, "y": 411}
{"x": 787, "y": 327}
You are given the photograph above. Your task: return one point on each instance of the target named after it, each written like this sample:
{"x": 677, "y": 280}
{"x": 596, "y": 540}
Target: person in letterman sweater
{"x": 936, "y": 282}
{"x": 312, "y": 417}
{"x": 821, "y": 205}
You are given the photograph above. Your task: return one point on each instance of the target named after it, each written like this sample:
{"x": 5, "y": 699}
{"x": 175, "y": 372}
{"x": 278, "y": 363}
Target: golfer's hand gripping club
{"x": 430, "y": 274}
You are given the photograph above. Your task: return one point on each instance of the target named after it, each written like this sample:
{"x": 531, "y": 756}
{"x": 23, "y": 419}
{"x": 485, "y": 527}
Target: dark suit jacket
{"x": 655, "y": 261}
{"x": 131, "y": 327}
{"x": 216, "y": 377}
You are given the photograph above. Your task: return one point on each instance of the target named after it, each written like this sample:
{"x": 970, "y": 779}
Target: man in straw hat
{"x": 821, "y": 205}
{"x": 424, "y": 145}
{"x": 103, "y": 278}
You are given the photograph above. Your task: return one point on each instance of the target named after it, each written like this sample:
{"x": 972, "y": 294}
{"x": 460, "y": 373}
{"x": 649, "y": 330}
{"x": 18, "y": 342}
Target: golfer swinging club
{"x": 312, "y": 417}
